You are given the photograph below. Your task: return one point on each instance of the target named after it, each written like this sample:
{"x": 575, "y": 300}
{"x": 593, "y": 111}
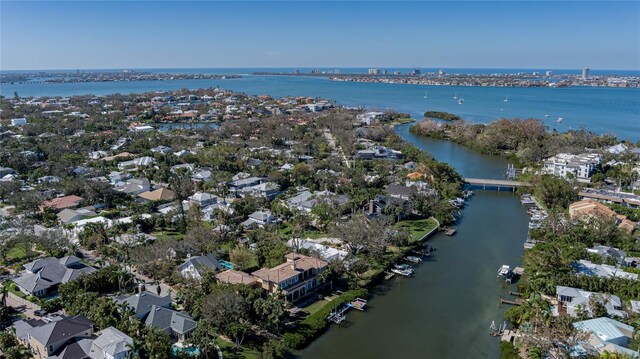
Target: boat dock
{"x": 449, "y": 231}
{"x": 339, "y": 315}
{"x": 518, "y": 301}
{"x": 389, "y": 275}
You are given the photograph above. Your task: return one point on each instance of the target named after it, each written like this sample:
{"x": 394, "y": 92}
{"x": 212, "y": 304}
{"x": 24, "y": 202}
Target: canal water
{"x": 444, "y": 311}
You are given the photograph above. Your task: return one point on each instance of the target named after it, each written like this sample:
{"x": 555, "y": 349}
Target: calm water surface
{"x": 601, "y": 110}
{"x": 446, "y": 309}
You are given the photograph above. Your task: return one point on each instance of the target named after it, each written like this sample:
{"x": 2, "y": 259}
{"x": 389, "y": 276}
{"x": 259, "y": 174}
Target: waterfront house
{"x": 178, "y": 325}
{"x": 606, "y": 335}
{"x": 297, "y": 278}
{"x": 195, "y": 267}
{"x": 585, "y": 267}
{"x": 588, "y": 209}
{"x": 325, "y": 252}
{"x": 626, "y": 199}
{"x": 42, "y": 276}
{"x": 51, "y": 336}
{"x": 564, "y": 164}
{"x": 608, "y": 252}
{"x": 573, "y": 301}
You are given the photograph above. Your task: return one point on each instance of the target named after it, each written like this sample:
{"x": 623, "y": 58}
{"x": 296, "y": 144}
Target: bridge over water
{"x": 494, "y": 184}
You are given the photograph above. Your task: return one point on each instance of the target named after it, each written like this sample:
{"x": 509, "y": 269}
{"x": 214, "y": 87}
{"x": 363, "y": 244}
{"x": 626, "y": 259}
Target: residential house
{"x": 325, "y": 252}
{"x": 49, "y": 337}
{"x": 201, "y": 175}
{"x": 178, "y": 325}
{"x": 42, "y": 276}
{"x": 606, "y": 336}
{"x": 60, "y": 203}
{"x": 111, "y": 344}
{"x": 203, "y": 199}
{"x": 142, "y": 303}
{"x": 589, "y": 208}
{"x": 195, "y": 267}
{"x": 585, "y": 267}
{"x": 136, "y": 163}
{"x": 160, "y": 194}
{"x": 68, "y": 216}
{"x": 231, "y": 276}
{"x": 18, "y": 121}
{"x": 134, "y": 186}
{"x": 581, "y": 166}
{"x": 265, "y": 189}
{"x": 608, "y": 252}
{"x": 259, "y": 219}
{"x": 297, "y": 278}
{"x": 608, "y": 196}
{"x": 162, "y": 149}
{"x": 573, "y": 301}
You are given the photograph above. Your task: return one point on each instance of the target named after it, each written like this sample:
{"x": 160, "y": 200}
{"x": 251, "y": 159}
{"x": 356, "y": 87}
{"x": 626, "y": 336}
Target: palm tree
{"x": 134, "y": 349}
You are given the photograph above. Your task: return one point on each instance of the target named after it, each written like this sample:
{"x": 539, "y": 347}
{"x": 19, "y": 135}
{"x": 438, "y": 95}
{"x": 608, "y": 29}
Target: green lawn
{"x": 312, "y": 308}
{"x": 18, "y": 253}
{"x": 418, "y": 227}
{"x": 242, "y": 353}
{"x": 167, "y": 235}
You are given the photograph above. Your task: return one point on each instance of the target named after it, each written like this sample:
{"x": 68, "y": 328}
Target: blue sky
{"x": 115, "y": 34}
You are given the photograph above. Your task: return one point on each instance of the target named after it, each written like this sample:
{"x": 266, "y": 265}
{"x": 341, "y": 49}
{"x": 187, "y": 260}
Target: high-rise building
{"x": 374, "y": 71}
{"x": 549, "y": 73}
{"x": 585, "y": 73}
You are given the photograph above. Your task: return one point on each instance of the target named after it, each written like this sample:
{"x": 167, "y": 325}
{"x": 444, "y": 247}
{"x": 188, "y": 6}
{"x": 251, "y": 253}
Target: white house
{"x": 581, "y": 166}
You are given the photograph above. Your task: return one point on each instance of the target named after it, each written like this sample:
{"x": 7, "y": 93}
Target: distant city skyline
{"x": 519, "y": 35}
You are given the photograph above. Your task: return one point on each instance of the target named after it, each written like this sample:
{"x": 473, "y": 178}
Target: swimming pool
{"x": 227, "y": 265}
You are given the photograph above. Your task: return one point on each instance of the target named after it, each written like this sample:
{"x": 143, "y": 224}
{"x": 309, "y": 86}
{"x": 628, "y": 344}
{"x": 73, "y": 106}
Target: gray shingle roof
{"x": 111, "y": 341}
{"x": 169, "y": 320}
{"x": 143, "y": 302}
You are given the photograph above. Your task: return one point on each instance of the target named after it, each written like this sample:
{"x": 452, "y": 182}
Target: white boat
{"x": 403, "y": 266}
{"x": 404, "y": 272}
{"x": 426, "y": 95}
{"x": 547, "y": 115}
{"x": 506, "y": 99}
{"x": 504, "y": 270}
{"x": 413, "y": 259}
{"x": 559, "y": 119}
{"x": 455, "y": 96}
{"x": 460, "y": 101}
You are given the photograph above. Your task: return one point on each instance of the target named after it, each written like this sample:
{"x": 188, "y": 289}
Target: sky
{"x": 210, "y": 34}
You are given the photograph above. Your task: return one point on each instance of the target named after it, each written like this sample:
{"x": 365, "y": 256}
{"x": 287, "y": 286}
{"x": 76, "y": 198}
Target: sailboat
{"x": 460, "y": 101}
{"x": 455, "y": 96}
{"x": 506, "y": 99}
{"x": 559, "y": 119}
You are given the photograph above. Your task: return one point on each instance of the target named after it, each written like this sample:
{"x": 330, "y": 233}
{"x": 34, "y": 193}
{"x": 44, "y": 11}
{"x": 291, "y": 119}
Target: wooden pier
{"x": 449, "y": 231}
{"x": 518, "y": 301}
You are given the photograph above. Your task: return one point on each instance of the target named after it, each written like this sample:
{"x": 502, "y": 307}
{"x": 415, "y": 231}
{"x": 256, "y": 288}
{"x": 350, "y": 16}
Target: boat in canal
{"x": 413, "y": 259}
{"x": 403, "y": 272}
{"x": 504, "y": 270}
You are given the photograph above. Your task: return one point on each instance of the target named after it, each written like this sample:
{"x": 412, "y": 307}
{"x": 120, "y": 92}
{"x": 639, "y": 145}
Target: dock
{"x": 388, "y": 275}
{"x": 338, "y": 316}
{"x": 359, "y": 304}
{"x": 449, "y": 231}
{"x": 518, "y": 301}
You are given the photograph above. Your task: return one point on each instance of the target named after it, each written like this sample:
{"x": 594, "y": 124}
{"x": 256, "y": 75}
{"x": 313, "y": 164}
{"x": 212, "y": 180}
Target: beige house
{"x": 297, "y": 278}
{"x": 589, "y": 208}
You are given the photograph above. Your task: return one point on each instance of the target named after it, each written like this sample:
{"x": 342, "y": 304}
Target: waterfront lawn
{"x": 316, "y": 306}
{"x": 417, "y": 227}
{"x": 228, "y": 351}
